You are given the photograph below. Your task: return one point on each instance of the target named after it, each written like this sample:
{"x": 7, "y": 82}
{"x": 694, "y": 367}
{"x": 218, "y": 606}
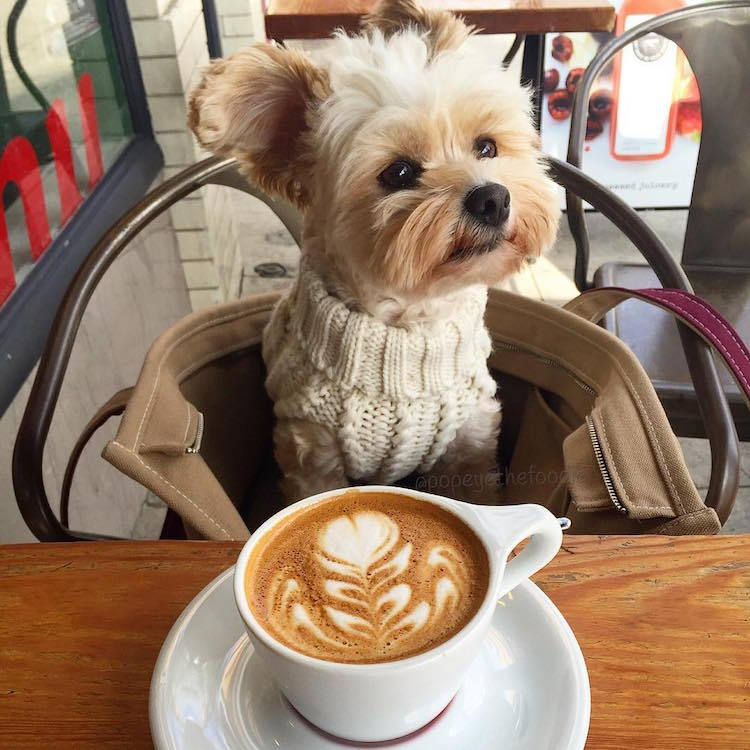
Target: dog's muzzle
{"x": 489, "y": 204}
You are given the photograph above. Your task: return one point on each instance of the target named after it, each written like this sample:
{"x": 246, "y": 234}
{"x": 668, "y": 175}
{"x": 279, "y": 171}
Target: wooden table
{"x": 664, "y": 624}
{"x": 316, "y": 19}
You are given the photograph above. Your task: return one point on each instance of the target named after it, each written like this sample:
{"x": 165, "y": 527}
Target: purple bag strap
{"x": 695, "y": 312}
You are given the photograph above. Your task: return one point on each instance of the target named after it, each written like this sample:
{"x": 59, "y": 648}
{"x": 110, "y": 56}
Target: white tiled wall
{"x": 171, "y": 40}
{"x": 241, "y": 23}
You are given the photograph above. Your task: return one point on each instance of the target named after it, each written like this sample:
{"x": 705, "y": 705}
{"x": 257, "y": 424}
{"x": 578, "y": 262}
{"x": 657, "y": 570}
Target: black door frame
{"x": 213, "y": 33}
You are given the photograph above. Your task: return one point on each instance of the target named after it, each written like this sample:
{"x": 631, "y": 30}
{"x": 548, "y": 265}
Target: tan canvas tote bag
{"x": 583, "y": 431}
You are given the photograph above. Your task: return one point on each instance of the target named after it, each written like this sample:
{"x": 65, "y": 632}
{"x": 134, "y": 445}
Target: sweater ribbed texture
{"x": 394, "y": 397}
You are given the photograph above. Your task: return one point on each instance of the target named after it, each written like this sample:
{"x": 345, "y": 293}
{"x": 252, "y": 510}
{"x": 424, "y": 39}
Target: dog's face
{"x": 416, "y": 161}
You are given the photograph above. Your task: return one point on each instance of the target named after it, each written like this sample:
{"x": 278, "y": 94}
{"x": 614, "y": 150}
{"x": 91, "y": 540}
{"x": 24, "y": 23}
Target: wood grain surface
{"x": 663, "y": 622}
{"x": 316, "y": 19}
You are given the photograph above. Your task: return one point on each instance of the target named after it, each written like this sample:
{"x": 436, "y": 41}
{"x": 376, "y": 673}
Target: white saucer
{"x": 528, "y": 689}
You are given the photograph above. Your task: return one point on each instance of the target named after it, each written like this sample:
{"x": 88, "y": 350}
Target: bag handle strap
{"x": 112, "y": 408}
{"x": 692, "y": 310}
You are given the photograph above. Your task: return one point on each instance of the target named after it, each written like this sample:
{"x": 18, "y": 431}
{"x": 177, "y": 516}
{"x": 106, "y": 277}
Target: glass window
{"x": 64, "y": 119}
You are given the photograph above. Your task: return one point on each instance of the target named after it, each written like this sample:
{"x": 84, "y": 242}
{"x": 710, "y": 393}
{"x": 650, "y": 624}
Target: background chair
{"x": 715, "y": 38}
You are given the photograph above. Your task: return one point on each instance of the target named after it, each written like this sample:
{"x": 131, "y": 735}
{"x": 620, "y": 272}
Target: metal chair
{"x": 28, "y": 456}
{"x": 716, "y": 254}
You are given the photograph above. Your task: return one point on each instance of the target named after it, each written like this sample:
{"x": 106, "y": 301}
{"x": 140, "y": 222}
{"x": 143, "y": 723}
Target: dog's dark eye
{"x": 399, "y": 175}
{"x": 485, "y": 148}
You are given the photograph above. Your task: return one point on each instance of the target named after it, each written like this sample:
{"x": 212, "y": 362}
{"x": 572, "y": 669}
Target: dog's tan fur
{"x": 444, "y": 30}
{"x": 319, "y": 135}
{"x": 256, "y": 105}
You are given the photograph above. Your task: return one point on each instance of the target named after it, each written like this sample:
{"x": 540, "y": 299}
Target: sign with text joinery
{"x": 644, "y": 118}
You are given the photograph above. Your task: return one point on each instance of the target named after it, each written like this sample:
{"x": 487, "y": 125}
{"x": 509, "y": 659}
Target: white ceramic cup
{"x": 373, "y": 702}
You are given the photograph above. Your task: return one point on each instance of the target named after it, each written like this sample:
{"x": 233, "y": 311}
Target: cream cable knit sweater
{"x": 394, "y": 397}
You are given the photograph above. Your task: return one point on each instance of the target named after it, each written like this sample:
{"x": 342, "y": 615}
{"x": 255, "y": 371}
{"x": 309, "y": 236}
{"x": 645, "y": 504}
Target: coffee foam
{"x": 367, "y": 577}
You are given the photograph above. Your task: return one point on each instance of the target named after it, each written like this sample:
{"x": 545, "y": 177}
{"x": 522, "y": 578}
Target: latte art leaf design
{"x": 361, "y": 597}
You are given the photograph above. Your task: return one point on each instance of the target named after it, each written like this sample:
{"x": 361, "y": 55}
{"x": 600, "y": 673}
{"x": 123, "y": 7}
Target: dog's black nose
{"x": 489, "y": 203}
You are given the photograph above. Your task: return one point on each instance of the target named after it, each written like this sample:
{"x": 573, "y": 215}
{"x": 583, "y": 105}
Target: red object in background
{"x": 689, "y": 114}
{"x": 600, "y": 104}
{"x": 641, "y": 8}
{"x": 562, "y": 48}
{"x": 573, "y": 79}
{"x": 689, "y": 118}
{"x": 594, "y": 128}
{"x": 59, "y": 138}
{"x": 7, "y": 273}
{"x": 551, "y": 80}
{"x": 90, "y": 129}
{"x": 20, "y": 165}
{"x": 559, "y": 104}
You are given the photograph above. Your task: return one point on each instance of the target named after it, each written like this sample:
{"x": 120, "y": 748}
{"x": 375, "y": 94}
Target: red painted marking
{"x": 7, "y": 273}
{"x": 19, "y": 164}
{"x": 90, "y": 128}
{"x": 59, "y": 138}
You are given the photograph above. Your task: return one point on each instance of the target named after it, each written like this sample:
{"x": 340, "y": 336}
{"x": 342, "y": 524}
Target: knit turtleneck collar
{"x": 357, "y": 350}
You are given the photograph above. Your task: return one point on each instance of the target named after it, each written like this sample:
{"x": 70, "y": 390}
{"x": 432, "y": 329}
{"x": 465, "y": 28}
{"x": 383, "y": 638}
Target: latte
{"x": 367, "y": 577}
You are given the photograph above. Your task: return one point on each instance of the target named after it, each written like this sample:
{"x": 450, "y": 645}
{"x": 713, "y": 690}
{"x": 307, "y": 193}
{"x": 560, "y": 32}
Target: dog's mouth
{"x": 466, "y": 251}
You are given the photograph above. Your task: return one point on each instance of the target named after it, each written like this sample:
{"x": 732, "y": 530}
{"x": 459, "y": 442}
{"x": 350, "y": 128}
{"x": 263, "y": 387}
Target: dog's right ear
{"x": 256, "y": 105}
{"x": 443, "y": 29}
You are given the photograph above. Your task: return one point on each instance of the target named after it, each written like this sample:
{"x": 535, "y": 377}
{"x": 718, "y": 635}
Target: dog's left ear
{"x": 444, "y": 30}
{"x": 257, "y": 105}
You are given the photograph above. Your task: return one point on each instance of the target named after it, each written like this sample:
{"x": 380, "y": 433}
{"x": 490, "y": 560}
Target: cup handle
{"x": 509, "y": 527}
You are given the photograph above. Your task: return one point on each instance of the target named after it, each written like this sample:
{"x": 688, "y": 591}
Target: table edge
{"x": 504, "y": 21}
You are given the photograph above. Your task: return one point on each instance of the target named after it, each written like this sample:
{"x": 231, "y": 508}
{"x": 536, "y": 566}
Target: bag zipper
{"x": 545, "y": 361}
{"x": 595, "y": 443}
{"x": 196, "y": 446}
{"x": 603, "y": 470}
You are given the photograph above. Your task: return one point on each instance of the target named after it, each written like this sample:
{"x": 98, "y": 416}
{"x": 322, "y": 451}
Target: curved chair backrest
{"x": 717, "y": 418}
{"x": 28, "y": 454}
{"x": 715, "y": 38}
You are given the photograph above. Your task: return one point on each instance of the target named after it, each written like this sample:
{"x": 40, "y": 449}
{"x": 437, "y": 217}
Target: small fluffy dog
{"x": 416, "y": 164}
